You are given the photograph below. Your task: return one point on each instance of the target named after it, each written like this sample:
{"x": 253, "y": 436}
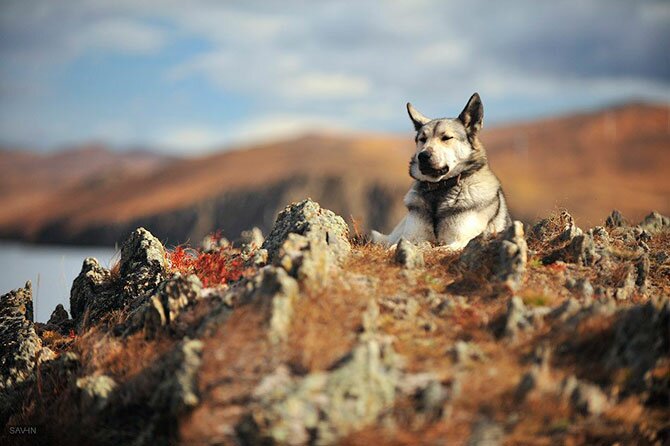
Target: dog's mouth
{"x": 431, "y": 171}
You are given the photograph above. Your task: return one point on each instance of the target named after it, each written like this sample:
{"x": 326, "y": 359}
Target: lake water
{"x": 51, "y": 269}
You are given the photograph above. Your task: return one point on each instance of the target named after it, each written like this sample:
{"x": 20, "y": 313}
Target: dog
{"x": 455, "y": 196}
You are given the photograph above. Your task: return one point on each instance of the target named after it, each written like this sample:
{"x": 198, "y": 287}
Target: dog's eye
{"x": 423, "y": 139}
{"x": 446, "y": 138}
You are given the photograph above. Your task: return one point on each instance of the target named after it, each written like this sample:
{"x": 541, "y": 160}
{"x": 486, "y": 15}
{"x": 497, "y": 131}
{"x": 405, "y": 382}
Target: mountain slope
{"x": 593, "y": 162}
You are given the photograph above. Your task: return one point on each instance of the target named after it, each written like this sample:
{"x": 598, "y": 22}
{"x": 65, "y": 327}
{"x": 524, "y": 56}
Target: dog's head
{"x": 446, "y": 147}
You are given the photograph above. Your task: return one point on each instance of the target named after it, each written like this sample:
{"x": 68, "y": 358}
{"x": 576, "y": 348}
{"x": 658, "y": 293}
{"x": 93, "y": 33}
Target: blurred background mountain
{"x": 191, "y": 117}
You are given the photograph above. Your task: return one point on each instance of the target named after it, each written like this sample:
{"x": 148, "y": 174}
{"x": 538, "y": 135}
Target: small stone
{"x": 408, "y": 255}
{"x": 615, "y": 220}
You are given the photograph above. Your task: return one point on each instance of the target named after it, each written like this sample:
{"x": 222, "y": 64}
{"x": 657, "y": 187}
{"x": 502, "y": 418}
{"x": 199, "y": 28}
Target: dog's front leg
{"x": 413, "y": 228}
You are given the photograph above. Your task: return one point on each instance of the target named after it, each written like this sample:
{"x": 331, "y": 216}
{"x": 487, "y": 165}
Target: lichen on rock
{"x": 322, "y": 407}
{"x": 19, "y": 344}
{"x": 501, "y": 259}
{"x": 307, "y": 218}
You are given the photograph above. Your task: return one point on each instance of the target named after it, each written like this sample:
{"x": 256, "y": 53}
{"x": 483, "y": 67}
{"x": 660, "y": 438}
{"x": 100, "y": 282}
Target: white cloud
{"x": 193, "y": 138}
{"x": 325, "y": 85}
{"x": 123, "y": 35}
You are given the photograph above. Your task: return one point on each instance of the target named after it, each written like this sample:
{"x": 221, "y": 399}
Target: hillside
{"x": 591, "y": 163}
{"x": 544, "y": 335}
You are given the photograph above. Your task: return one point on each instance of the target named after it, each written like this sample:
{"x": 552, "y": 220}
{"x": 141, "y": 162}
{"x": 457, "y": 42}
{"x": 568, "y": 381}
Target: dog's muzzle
{"x": 426, "y": 165}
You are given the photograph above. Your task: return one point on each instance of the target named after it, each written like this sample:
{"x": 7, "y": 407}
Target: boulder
{"x": 408, "y": 255}
{"x": 19, "y": 343}
{"x": 307, "y": 218}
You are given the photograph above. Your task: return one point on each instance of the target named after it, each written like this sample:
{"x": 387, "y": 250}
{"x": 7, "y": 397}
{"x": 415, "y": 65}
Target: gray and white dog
{"x": 455, "y": 196}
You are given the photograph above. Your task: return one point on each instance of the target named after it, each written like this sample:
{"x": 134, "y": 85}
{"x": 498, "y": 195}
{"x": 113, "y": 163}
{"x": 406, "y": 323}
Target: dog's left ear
{"x": 472, "y": 115}
{"x": 418, "y": 119}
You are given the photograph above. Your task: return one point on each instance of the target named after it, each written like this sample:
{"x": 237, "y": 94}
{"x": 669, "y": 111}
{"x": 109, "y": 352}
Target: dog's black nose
{"x": 424, "y": 156}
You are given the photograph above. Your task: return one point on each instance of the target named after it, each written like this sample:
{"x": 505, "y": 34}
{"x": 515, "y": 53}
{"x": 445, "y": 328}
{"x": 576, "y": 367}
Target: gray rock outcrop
{"x": 502, "y": 258}
{"x": 19, "y": 344}
{"x": 96, "y": 292}
{"x": 307, "y": 218}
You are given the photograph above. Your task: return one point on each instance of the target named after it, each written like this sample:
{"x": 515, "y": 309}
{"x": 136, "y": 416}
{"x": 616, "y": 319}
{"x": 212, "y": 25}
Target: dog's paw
{"x": 378, "y": 238}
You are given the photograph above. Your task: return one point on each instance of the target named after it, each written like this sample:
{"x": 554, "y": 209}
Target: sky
{"x": 187, "y": 77}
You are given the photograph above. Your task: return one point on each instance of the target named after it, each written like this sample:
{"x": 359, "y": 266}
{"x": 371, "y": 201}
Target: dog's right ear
{"x": 417, "y": 118}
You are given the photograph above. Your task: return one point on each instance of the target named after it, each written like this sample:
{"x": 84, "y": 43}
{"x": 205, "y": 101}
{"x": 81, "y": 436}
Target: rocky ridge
{"x": 549, "y": 332}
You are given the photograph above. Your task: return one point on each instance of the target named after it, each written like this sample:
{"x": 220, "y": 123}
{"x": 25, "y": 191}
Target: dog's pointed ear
{"x": 417, "y": 118}
{"x": 472, "y": 115}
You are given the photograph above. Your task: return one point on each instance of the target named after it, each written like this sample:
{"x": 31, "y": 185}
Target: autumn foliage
{"x": 213, "y": 267}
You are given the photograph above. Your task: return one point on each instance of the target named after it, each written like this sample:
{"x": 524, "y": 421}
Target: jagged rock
{"x": 92, "y": 294}
{"x": 143, "y": 264}
{"x": 322, "y": 407}
{"x": 408, "y": 255}
{"x": 486, "y": 432}
{"x": 252, "y": 239}
{"x": 515, "y": 319}
{"x": 307, "y": 218}
{"x": 655, "y": 223}
{"x": 95, "y": 390}
{"x": 177, "y": 292}
{"x": 615, "y": 220}
{"x": 95, "y": 292}
{"x": 173, "y": 295}
{"x": 307, "y": 259}
{"x": 59, "y": 315}
{"x": 504, "y": 256}
{"x": 640, "y": 340}
{"x": 19, "y": 344}
{"x": 581, "y": 250}
{"x": 275, "y": 292}
{"x": 584, "y": 398}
